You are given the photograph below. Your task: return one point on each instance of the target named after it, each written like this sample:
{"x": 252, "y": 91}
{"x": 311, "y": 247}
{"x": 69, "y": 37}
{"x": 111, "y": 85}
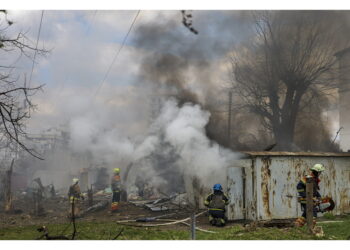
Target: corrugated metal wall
{"x": 264, "y": 187}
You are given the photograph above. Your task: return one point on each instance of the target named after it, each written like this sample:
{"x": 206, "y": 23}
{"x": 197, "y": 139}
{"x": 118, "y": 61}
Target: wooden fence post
{"x": 7, "y": 189}
{"x": 90, "y": 196}
{"x": 309, "y": 203}
{"x": 193, "y": 226}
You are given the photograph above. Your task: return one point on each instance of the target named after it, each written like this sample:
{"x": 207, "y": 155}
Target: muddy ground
{"x": 57, "y": 211}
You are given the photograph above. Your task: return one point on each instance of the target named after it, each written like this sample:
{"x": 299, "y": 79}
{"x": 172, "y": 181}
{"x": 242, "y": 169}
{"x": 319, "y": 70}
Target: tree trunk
{"x": 7, "y": 189}
{"x": 285, "y": 130}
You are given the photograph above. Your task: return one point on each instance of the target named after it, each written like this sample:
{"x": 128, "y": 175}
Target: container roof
{"x": 286, "y": 153}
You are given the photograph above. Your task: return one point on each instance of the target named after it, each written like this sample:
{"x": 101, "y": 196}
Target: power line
{"x": 36, "y": 47}
{"x": 117, "y": 54}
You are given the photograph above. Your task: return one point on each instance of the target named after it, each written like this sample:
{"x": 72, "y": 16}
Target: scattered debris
{"x": 279, "y": 223}
{"x": 150, "y": 219}
{"x": 48, "y": 237}
{"x": 172, "y": 202}
{"x": 97, "y": 207}
{"x": 167, "y": 222}
{"x": 318, "y": 231}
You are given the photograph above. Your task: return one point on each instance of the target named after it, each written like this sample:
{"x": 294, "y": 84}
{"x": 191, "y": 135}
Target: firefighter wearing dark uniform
{"x": 216, "y": 203}
{"x": 116, "y": 189}
{"x": 316, "y": 170}
{"x": 75, "y": 195}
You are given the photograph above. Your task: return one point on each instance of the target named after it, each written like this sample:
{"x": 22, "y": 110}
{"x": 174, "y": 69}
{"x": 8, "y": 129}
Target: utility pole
{"x": 309, "y": 204}
{"x": 229, "y": 118}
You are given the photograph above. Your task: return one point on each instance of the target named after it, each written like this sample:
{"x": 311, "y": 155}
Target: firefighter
{"x": 75, "y": 195}
{"x": 316, "y": 170}
{"x": 116, "y": 189}
{"x": 38, "y": 195}
{"x": 216, "y": 203}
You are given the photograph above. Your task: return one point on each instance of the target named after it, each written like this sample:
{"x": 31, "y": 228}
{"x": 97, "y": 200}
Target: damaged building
{"x": 262, "y": 185}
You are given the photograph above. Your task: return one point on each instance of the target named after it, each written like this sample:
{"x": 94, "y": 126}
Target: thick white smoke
{"x": 182, "y": 129}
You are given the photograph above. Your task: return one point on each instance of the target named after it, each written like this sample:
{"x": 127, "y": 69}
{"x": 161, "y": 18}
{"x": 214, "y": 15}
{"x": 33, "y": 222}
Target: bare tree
{"x": 288, "y": 64}
{"x": 15, "y": 104}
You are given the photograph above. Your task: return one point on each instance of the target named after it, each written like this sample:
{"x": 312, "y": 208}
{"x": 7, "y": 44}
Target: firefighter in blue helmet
{"x": 216, "y": 203}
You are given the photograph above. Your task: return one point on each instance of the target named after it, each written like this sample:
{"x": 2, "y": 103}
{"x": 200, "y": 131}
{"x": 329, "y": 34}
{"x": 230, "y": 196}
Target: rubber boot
{"x": 221, "y": 222}
{"x": 114, "y": 207}
{"x": 212, "y": 220}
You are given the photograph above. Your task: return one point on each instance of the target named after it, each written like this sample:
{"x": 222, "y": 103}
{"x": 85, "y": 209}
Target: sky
{"x": 81, "y": 65}
{"x": 82, "y": 46}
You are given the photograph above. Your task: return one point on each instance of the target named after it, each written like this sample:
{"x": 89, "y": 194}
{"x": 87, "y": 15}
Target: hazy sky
{"x": 83, "y": 45}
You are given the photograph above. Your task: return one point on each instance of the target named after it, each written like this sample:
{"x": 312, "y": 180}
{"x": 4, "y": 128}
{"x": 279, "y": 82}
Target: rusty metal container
{"x": 262, "y": 185}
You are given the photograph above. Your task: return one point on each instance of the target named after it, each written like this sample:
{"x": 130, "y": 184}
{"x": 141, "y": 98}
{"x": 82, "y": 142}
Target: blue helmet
{"x": 217, "y": 187}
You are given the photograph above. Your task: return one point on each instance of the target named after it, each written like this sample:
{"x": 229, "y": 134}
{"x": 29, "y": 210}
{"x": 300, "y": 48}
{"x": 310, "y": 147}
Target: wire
{"x": 117, "y": 54}
{"x": 36, "y": 47}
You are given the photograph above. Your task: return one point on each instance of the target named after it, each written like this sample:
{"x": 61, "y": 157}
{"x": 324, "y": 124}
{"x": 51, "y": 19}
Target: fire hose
{"x": 171, "y": 222}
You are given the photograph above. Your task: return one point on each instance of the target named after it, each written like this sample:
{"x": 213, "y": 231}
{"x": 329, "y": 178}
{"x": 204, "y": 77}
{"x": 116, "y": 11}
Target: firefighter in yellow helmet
{"x": 75, "y": 195}
{"x": 116, "y": 189}
{"x": 316, "y": 170}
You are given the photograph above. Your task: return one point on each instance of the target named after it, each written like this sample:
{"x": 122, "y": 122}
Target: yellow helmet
{"x": 116, "y": 170}
{"x": 75, "y": 180}
{"x": 318, "y": 168}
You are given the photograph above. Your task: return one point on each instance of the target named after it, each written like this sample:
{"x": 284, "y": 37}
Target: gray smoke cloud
{"x": 160, "y": 122}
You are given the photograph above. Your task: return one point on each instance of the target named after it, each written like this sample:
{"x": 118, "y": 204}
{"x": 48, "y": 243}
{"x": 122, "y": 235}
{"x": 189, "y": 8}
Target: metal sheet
{"x": 286, "y": 153}
{"x": 270, "y": 185}
{"x": 235, "y": 193}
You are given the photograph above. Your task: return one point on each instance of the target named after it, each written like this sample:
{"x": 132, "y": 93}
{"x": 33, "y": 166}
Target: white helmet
{"x": 318, "y": 168}
{"x": 75, "y": 180}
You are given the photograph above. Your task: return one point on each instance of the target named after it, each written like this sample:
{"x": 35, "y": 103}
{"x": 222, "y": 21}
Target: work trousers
{"x": 303, "y": 209}
{"x": 217, "y": 214}
{"x": 116, "y": 196}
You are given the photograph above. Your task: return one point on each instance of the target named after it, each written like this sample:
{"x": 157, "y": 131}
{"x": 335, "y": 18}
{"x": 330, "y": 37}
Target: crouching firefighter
{"x": 320, "y": 204}
{"x": 116, "y": 189}
{"x": 216, "y": 203}
{"x": 75, "y": 195}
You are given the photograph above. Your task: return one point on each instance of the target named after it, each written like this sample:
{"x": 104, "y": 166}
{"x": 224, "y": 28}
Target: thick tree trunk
{"x": 284, "y": 138}
{"x": 284, "y": 128}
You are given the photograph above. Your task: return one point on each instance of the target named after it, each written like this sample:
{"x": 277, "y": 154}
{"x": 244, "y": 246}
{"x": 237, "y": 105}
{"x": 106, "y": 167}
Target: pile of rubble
{"x": 173, "y": 202}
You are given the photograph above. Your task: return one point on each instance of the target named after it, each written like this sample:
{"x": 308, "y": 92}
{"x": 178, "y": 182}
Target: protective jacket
{"x": 301, "y": 188}
{"x": 116, "y": 183}
{"x": 74, "y": 192}
{"x": 216, "y": 201}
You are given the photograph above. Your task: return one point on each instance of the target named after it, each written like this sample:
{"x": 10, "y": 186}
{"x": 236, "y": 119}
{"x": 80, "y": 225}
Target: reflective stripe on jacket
{"x": 301, "y": 189}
